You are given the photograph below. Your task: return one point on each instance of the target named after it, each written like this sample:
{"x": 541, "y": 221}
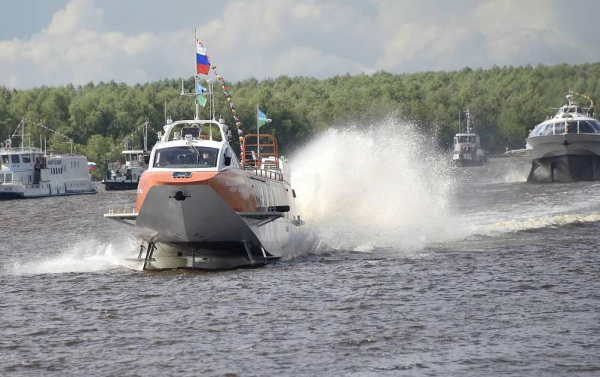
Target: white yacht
{"x": 467, "y": 149}
{"x": 566, "y": 147}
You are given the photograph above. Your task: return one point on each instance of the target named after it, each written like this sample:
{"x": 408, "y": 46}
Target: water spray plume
{"x": 375, "y": 187}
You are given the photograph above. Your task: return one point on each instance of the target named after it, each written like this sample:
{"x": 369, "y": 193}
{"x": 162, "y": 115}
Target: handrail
{"x": 266, "y": 173}
{"x": 254, "y": 153}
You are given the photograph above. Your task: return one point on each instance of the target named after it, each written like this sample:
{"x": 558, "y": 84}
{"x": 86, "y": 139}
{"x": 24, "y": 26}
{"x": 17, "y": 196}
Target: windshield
{"x": 185, "y": 157}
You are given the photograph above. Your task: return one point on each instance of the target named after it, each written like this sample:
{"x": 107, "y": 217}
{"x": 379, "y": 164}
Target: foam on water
{"x": 375, "y": 187}
{"x": 534, "y": 223}
{"x": 84, "y": 256}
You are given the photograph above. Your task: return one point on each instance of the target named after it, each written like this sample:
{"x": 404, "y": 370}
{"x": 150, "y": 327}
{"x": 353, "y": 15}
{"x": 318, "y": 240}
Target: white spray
{"x": 382, "y": 186}
{"x": 83, "y": 256}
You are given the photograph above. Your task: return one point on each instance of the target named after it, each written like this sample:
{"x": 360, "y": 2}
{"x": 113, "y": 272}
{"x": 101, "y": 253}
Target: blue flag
{"x": 199, "y": 88}
{"x": 262, "y": 118}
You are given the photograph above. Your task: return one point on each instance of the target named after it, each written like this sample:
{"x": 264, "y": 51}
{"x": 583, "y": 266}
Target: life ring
{"x": 118, "y": 165}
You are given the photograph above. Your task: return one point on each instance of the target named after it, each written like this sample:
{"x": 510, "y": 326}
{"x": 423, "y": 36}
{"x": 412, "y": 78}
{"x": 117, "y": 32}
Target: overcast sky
{"x": 56, "y": 42}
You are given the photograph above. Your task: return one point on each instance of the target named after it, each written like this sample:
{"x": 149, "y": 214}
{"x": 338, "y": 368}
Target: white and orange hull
{"x": 210, "y": 220}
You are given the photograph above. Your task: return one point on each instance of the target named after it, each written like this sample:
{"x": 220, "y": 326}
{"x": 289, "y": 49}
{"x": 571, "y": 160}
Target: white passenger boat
{"x": 567, "y": 146}
{"x": 28, "y": 172}
{"x": 467, "y": 149}
{"x": 199, "y": 206}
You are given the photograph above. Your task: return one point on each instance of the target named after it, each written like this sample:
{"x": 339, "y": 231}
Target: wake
{"x": 83, "y": 256}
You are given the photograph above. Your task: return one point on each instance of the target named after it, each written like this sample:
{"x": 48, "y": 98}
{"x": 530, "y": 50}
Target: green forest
{"x": 504, "y": 102}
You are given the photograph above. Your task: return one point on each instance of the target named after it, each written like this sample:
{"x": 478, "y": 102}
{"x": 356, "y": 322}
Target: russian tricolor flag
{"x": 202, "y": 63}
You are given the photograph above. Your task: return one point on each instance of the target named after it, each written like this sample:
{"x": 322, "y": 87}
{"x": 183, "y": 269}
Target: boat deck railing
{"x": 260, "y": 150}
{"x": 271, "y": 174}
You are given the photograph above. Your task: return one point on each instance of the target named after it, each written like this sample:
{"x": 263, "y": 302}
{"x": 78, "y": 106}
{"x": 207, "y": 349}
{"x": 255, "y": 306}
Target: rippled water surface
{"x": 511, "y": 289}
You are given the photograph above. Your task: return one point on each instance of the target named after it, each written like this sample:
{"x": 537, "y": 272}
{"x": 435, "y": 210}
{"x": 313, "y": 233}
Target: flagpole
{"x": 258, "y": 132}
{"x": 195, "y": 76}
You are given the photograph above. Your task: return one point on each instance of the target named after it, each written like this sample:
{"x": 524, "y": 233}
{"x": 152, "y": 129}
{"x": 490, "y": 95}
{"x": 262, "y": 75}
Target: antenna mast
{"x": 468, "y": 113}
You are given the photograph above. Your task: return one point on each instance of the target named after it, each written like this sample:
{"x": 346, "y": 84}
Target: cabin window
{"x": 572, "y": 129}
{"x": 186, "y": 157}
{"x": 545, "y": 129}
{"x": 586, "y": 127}
{"x": 1, "y": 178}
{"x": 595, "y": 124}
{"x": 14, "y": 158}
{"x": 559, "y": 128}
{"x": 5, "y": 159}
{"x": 26, "y": 158}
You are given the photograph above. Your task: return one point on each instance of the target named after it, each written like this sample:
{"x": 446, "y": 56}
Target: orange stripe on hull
{"x": 234, "y": 186}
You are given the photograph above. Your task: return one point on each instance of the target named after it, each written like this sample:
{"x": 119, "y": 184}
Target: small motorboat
{"x": 467, "y": 149}
{"x": 126, "y": 176}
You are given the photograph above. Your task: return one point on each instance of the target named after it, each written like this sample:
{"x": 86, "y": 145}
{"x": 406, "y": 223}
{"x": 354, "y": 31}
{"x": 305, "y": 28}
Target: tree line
{"x": 504, "y": 103}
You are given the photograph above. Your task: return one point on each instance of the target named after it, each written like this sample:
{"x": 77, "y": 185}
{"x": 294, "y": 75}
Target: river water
{"x": 470, "y": 273}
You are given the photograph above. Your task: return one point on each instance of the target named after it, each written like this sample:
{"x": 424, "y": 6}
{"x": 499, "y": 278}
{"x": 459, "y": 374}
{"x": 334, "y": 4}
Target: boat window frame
{"x": 595, "y": 124}
{"x": 12, "y": 159}
{"x": 544, "y": 129}
{"x": 537, "y": 131}
{"x": 185, "y": 152}
{"x": 23, "y": 158}
{"x": 588, "y": 124}
{"x": 573, "y": 127}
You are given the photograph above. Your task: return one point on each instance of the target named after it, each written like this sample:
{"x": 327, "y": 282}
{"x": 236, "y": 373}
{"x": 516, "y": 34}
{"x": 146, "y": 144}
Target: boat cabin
{"x": 570, "y": 109}
{"x": 466, "y": 141}
{"x": 197, "y": 144}
{"x": 559, "y": 126}
{"x": 136, "y": 158}
{"x": 21, "y": 165}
